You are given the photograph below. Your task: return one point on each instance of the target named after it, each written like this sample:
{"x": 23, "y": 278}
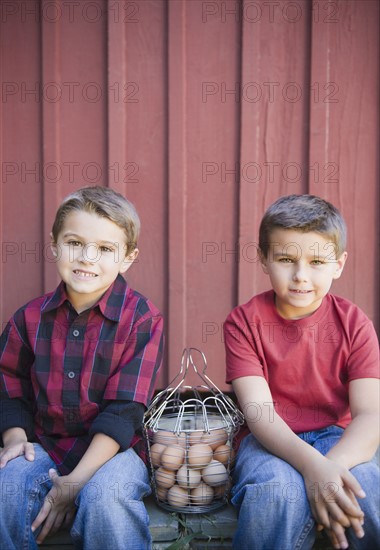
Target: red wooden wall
{"x": 202, "y": 113}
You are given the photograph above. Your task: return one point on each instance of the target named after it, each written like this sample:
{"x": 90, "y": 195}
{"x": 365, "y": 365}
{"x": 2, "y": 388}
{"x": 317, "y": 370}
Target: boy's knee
{"x": 271, "y": 493}
{"x": 107, "y": 496}
{"x": 368, "y": 475}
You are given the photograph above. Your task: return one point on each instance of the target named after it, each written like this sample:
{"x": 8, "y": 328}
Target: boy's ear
{"x": 340, "y": 265}
{"x": 53, "y": 246}
{"x": 128, "y": 260}
{"x": 263, "y": 261}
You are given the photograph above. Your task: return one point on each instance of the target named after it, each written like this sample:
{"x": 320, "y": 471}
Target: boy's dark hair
{"x": 104, "y": 202}
{"x": 304, "y": 213}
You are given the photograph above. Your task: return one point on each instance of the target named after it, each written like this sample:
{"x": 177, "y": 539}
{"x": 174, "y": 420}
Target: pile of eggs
{"x": 192, "y": 468}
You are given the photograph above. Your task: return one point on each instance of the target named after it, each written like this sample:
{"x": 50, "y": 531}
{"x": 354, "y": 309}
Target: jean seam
{"x": 32, "y": 495}
{"x": 306, "y": 530}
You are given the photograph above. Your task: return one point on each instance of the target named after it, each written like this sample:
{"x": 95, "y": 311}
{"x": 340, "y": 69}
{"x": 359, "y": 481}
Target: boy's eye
{"x": 317, "y": 262}
{"x": 285, "y": 260}
{"x": 106, "y": 249}
{"x": 74, "y": 243}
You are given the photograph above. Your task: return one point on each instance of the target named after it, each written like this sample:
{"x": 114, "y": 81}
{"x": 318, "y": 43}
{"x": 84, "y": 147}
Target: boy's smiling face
{"x": 90, "y": 252}
{"x": 301, "y": 268}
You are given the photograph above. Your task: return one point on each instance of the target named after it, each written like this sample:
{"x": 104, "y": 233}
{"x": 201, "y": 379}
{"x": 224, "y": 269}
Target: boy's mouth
{"x": 87, "y": 274}
{"x": 300, "y": 291}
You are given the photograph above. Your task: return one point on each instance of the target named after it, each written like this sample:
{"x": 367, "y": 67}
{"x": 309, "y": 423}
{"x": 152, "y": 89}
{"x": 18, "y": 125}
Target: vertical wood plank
{"x": 213, "y": 104}
{"x": 203, "y": 175}
{"x": 51, "y": 124}
{"x": 177, "y": 182}
{"x": 344, "y": 139}
{"x": 22, "y": 255}
{"x": 274, "y": 122}
{"x": 74, "y": 106}
{"x": 137, "y": 135}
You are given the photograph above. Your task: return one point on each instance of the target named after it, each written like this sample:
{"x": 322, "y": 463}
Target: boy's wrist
{"x": 74, "y": 484}
{"x": 339, "y": 458}
{"x": 311, "y": 462}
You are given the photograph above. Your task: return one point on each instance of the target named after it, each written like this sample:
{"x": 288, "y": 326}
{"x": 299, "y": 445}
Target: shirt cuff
{"x": 119, "y": 420}
{"x": 15, "y": 413}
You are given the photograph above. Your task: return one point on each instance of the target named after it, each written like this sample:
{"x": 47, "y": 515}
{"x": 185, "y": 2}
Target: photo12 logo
{"x": 268, "y": 172}
{"x": 68, "y": 172}
{"x": 271, "y": 11}
{"x": 70, "y": 11}
{"x": 269, "y": 92}
{"x": 69, "y": 92}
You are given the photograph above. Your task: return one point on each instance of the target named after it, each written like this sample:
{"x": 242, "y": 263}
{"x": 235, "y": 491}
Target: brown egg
{"x": 215, "y": 438}
{"x": 203, "y": 494}
{"x": 172, "y": 457}
{"x": 215, "y": 473}
{"x": 156, "y": 451}
{"x": 164, "y": 478}
{"x": 199, "y": 455}
{"x": 165, "y": 437}
{"x": 224, "y": 454}
{"x": 188, "y": 478}
{"x": 178, "y": 497}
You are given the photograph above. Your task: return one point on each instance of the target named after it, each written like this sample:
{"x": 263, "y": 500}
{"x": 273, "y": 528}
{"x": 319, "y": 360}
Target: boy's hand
{"x": 58, "y": 509}
{"x": 336, "y": 532}
{"x": 332, "y": 492}
{"x": 14, "y": 449}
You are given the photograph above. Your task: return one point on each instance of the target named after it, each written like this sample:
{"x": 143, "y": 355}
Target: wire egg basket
{"x": 189, "y": 433}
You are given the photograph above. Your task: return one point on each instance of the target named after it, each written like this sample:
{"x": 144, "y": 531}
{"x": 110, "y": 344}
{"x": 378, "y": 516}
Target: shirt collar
{"x": 110, "y": 304}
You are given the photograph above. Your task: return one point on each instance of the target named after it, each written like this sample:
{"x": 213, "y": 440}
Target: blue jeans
{"x": 274, "y": 512}
{"x": 110, "y": 510}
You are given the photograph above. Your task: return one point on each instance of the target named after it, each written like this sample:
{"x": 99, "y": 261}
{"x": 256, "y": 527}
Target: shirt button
{"x": 71, "y": 374}
{"x": 75, "y": 332}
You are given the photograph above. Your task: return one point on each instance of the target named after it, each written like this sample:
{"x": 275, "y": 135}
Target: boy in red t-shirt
{"x": 304, "y": 365}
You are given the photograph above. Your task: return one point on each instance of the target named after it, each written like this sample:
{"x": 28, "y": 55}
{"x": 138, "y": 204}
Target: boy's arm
{"x": 320, "y": 474}
{"x": 16, "y": 393}
{"x": 15, "y": 412}
{"x": 361, "y": 438}
{"x": 58, "y": 508}
{"x": 120, "y": 420}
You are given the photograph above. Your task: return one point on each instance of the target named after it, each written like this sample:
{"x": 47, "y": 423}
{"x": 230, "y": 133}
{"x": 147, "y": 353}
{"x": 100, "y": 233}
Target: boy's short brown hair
{"x": 304, "y": 213}
{"x": 106, "y": 203}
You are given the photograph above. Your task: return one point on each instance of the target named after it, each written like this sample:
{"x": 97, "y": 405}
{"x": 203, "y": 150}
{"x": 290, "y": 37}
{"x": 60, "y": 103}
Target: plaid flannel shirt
{"x": 65, "y": 376}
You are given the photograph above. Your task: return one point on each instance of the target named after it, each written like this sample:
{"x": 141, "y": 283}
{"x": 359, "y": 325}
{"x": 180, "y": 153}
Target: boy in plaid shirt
{"x": 77, "y": 369}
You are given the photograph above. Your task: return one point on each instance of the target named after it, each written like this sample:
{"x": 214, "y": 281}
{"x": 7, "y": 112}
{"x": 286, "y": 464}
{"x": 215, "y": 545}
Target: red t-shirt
{"x": 308, "y": 362}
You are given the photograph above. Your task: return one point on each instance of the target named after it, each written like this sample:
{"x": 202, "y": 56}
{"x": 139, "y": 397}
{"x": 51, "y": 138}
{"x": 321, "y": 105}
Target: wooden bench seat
{"x": 213, "y": 531}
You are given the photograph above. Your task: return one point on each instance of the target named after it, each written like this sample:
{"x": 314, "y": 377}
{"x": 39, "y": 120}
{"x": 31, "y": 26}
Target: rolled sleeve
{"x": 16, "y": 358}
{"x": 119, "y": 420}
{"x": 15, "y": 413}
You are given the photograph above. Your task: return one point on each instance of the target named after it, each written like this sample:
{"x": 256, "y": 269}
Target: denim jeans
{"x": 110, "y": 510}
{"x": 274, "y": 512}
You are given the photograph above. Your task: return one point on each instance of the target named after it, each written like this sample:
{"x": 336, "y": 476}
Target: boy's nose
{"x": 90, "y": 253}
{"x": 300, "y": 273}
